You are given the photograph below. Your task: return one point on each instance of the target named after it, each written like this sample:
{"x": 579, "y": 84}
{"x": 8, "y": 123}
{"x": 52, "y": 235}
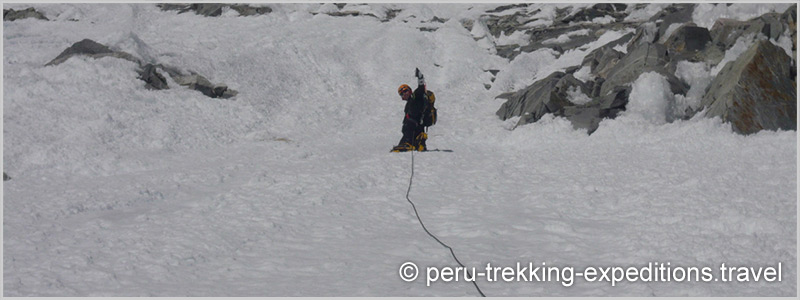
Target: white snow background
{"x": 289, "y": 188}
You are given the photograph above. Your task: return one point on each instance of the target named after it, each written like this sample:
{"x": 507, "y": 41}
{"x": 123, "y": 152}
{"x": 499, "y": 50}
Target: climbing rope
{"x": 410, "y": 181}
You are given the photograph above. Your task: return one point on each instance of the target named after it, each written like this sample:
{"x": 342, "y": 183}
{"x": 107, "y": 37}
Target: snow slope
{"x": 288, "y": 189}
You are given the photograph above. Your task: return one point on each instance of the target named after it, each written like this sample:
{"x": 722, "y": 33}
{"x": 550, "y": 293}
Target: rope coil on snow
{"x": 410, "y": 181}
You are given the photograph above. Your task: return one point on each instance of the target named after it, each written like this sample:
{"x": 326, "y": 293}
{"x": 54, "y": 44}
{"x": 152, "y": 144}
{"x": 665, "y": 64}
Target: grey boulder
{"x": 534, "y": 101}
{"x": 13, "y": 15}
{"x": 755, "y": 92}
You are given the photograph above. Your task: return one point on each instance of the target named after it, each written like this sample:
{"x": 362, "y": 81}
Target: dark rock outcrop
{"x": 589, "y": 115}
{"x": 534, "y": 101}
{"x": 570, "y": 83}
{"x": 503, "y": 8}
{"x": 549, "y": 96}
{"x": 508, "y": 51}
{"x": 673, "y": 14}
{"x": 199, "y": 83}
{"x": 725, "y": 32}
{"x": 602, "y": 59}
{"x": 500, "y": 21}
{"x": 349, "y": 13}
{"x": 645, "y": 34}
{"x": 687, "y": 41}
{"x": 208, "y": 10}
{"x": 506, "y": 24}
{"x": 85, "y": 47}
{"x": 540, "y": 37}
{"x": 646, "y": 58}
{"x": 215, "y": 9}
{"x": 152, "y": 78}
{"x": 755, "y": 92}
{"x": 247, "y": 10}
{"x": 13, "y": 15}
{"x": 613, "y": 72}
{"x": 790, "y": 17}
{"x": 615, "y": 10}
{"x": 147, "y": 72}
{"x": 388, "y": 16}
{"x": 392, "y": 13}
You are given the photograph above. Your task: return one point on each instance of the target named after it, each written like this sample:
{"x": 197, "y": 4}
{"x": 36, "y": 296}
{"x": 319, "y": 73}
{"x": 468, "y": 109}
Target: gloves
{"x": 420, "y": 79}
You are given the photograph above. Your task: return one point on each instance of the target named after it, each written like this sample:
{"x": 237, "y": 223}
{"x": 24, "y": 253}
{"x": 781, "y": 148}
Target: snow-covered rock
{"x": 30, "y": 12}
{"x": 660, "y": 44}
{"x": 216, "y": 9}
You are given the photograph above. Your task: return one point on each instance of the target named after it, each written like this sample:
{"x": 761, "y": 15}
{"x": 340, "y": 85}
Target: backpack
{"x": 429, "y": 115}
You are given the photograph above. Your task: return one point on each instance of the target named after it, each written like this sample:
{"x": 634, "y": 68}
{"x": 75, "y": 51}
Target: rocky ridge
{"x": 215, "y": 9}
{"x": 753, "y": 92}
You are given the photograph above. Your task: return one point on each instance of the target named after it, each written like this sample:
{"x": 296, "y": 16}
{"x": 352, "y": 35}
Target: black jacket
{"x": 415, "y": 106}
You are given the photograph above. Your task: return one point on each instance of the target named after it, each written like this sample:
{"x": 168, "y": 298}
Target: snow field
{"x": 289, "y": 188}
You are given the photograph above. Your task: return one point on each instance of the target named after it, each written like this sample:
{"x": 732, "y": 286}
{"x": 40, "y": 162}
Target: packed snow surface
{"x": 289, "y": 189}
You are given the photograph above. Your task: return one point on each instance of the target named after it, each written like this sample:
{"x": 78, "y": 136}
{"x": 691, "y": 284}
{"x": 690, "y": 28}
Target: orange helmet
{"x": 403, "y": 88}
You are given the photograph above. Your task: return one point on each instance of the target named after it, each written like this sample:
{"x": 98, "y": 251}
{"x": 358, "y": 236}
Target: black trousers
{"x": 411, "y": 131}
